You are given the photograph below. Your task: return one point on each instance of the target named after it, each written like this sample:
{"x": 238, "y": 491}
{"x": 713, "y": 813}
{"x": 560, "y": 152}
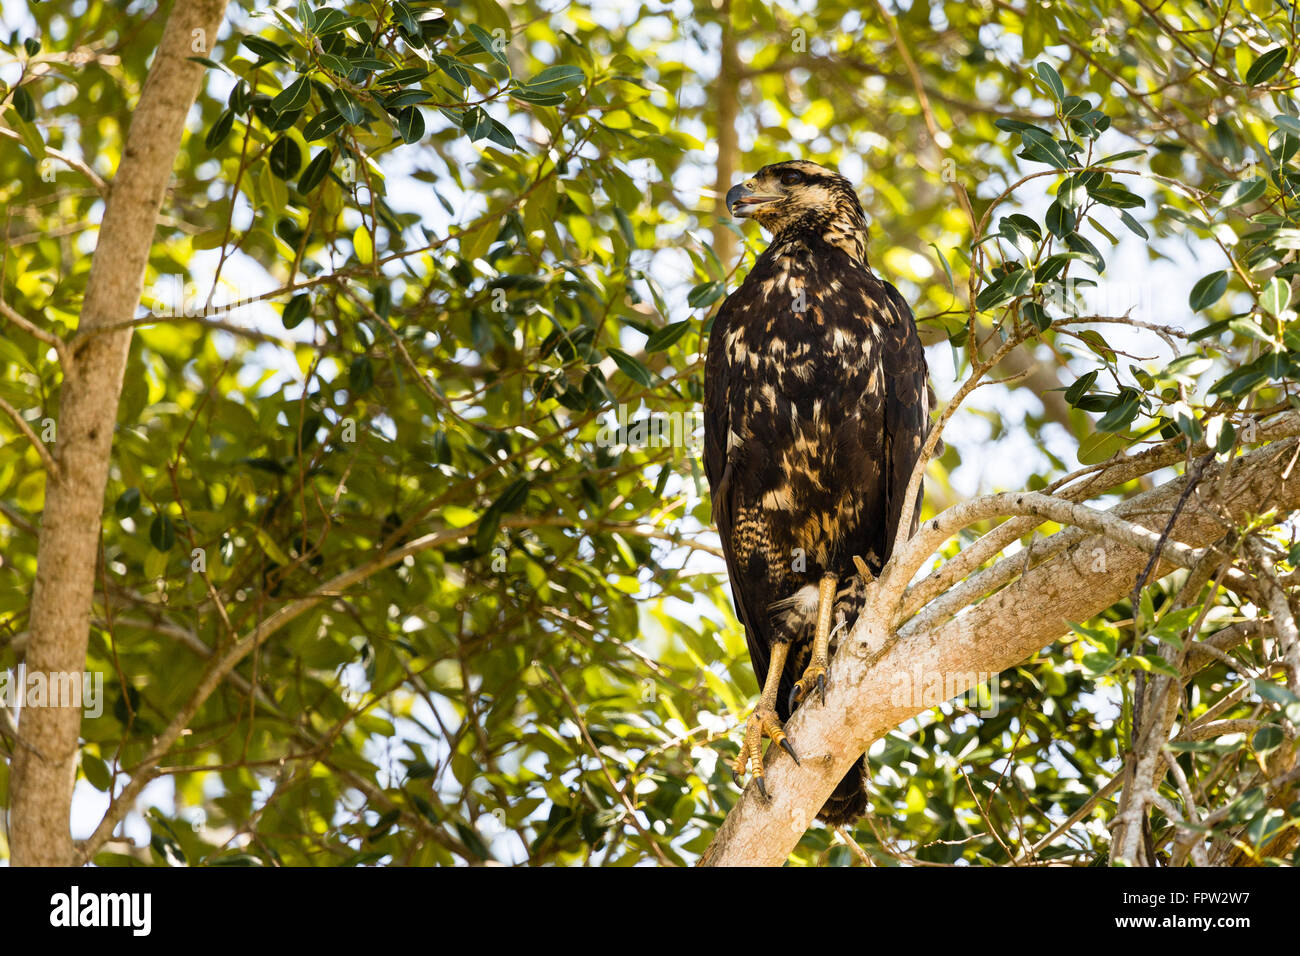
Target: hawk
{"x": 816, "y": 404}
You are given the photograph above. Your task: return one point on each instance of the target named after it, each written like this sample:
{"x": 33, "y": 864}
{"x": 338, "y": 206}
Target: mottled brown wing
{"x": 720, "y": 383}
{"x": 907, "y": 409}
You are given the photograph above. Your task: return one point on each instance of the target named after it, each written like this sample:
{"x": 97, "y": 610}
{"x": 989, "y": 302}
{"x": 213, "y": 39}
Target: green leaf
{"x": 348, "y": 106}
{"x": 1243, "y": 379}
{"x": 541, "y": 99}
{"x": 1080, "y": 387}
{"x": 1122, "y": 413}
{"x": 410, "y": 124}
{"x": 405, "y": 18}
{"x": 96, "y": 772}
{"x": 128, "y": 503}
{"x": 1276, "y": 296}
{"x": 1171, "y": 626}
{"x": 266, "y": 49}
{"x": 364, "y": 245}
{"x": 1073, "y": 192}
{"x": 296, "y": 310}
{"x": 1047, "y": 73}
{"x": 1208, "y": 290}
{"x": 285, "y": 158}
{"x": 293, "y": 97}
{"x": 1266, "y": 66}
{"x": 1267, "y": 738}
{"x": 239, "y": 100}
{"x": 632, "y": 368}
{"x": 396, "y": 100}
{"x": 1289, "y": 123}
{"x": 24, "y": 105}
{"x": 1094, "y": 340}
{"x": 1060, "y": 220}
{"x": 476, "y": 123}
{"x": 556, "y": 79}
{"x": 952, "y": 286}
{"x": 453, "y": 69}
{"x": 1036, "y": 314}
{"x": 1075, "y": 107}
{"x": 361, "y": 375}
{"x": 1275, "y": 693}
{"x": 271, "y": 548}
{"x": 1086, "y": 251}
{"x": 704, "y": 295}
{"x": 1099, "y": 447}
{"x": 487, "y": 42}
{"x": 512, "y": 498}
{"x": 330, "y": 21}
{"x": 162, "y": 533}
{"x": 220, "y": 130}
{"x": 316, "y": 170}
{"x": 502, "y": 136}
{"x": 1006, "y": 288}
{"x": 1044, "y": 149}
{"x": 1116, "y": 157}
{"x": 403, "y": 77}
{"x": 1114, "y": 240}
{"x": 1117, "y": 196}
{"x": 1016, "y": 126}
{"x": 1152, "y": 662}
{"x": 1020, "y": 223}
{"x": 335, "y": 64}
{"x": 1227, "y": 438}
{"x": 1098, "y": 663}
{"x": 1133, "y": 225}
{"x": 661, "y": 339}
{"x": 1242, "y": 191}
{"x": 327, "y": 122}
{"x": 1052, "y": 266}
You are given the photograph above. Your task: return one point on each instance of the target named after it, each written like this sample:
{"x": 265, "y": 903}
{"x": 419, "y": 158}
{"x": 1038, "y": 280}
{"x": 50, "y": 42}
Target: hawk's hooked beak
{"x": 741, "y": 200}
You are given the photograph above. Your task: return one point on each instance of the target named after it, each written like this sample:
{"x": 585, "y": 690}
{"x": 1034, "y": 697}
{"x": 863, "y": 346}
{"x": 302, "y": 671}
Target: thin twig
{"x": 51, "y": 466}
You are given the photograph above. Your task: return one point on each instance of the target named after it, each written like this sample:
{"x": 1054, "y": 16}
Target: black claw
{"x": 736, "y": 778}
{"x": 789, "y": 748}
{"x": 794, "y": 699}
{"x": 821, "y": 686}
{"x": 762, "y": 788}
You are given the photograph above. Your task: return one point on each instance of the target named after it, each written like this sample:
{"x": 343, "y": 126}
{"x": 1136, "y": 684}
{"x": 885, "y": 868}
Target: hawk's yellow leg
{"x": 764, "y": 721}
{"x": 814, "y": 674}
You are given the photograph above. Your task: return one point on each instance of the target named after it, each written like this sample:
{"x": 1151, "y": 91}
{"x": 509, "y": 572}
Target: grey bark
{"x": 45, "y": 762}
{"x": 1000, "y": 632}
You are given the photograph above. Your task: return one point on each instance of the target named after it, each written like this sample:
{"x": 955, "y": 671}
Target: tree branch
{"x": 869, "y": 692}
{"x": 45, "y": 762}
{"x": 51, "y": 466}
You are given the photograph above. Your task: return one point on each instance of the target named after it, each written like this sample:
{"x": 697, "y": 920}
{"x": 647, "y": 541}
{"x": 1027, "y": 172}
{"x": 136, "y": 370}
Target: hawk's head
{"x": 803, "y": 196}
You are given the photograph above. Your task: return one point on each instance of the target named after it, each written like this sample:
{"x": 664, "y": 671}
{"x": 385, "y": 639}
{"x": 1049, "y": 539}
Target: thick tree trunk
{"x": 862, "y": 699}
{"x": 45, "y": 761}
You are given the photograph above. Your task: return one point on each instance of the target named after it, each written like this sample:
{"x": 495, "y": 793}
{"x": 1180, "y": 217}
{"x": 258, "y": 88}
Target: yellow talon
{"x": 764, "y": 721}
{"x": 814, "y": 674}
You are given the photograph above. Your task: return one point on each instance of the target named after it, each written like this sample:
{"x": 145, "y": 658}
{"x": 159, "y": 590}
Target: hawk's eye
{"x": 791, "y": 177}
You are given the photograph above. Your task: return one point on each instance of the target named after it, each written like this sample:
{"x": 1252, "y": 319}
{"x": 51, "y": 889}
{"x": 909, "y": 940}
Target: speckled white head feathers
{"x": 799, "y": 198}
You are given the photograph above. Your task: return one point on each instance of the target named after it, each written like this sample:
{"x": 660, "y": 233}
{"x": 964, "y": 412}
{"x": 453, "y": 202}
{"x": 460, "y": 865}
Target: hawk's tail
{"x": 848, "y": 801}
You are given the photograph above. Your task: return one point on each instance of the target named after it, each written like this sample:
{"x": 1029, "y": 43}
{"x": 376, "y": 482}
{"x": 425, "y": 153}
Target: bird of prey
{"x": 816, "y": 405}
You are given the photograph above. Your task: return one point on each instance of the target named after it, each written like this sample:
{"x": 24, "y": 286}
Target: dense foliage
{"x": 437, "y": 277}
